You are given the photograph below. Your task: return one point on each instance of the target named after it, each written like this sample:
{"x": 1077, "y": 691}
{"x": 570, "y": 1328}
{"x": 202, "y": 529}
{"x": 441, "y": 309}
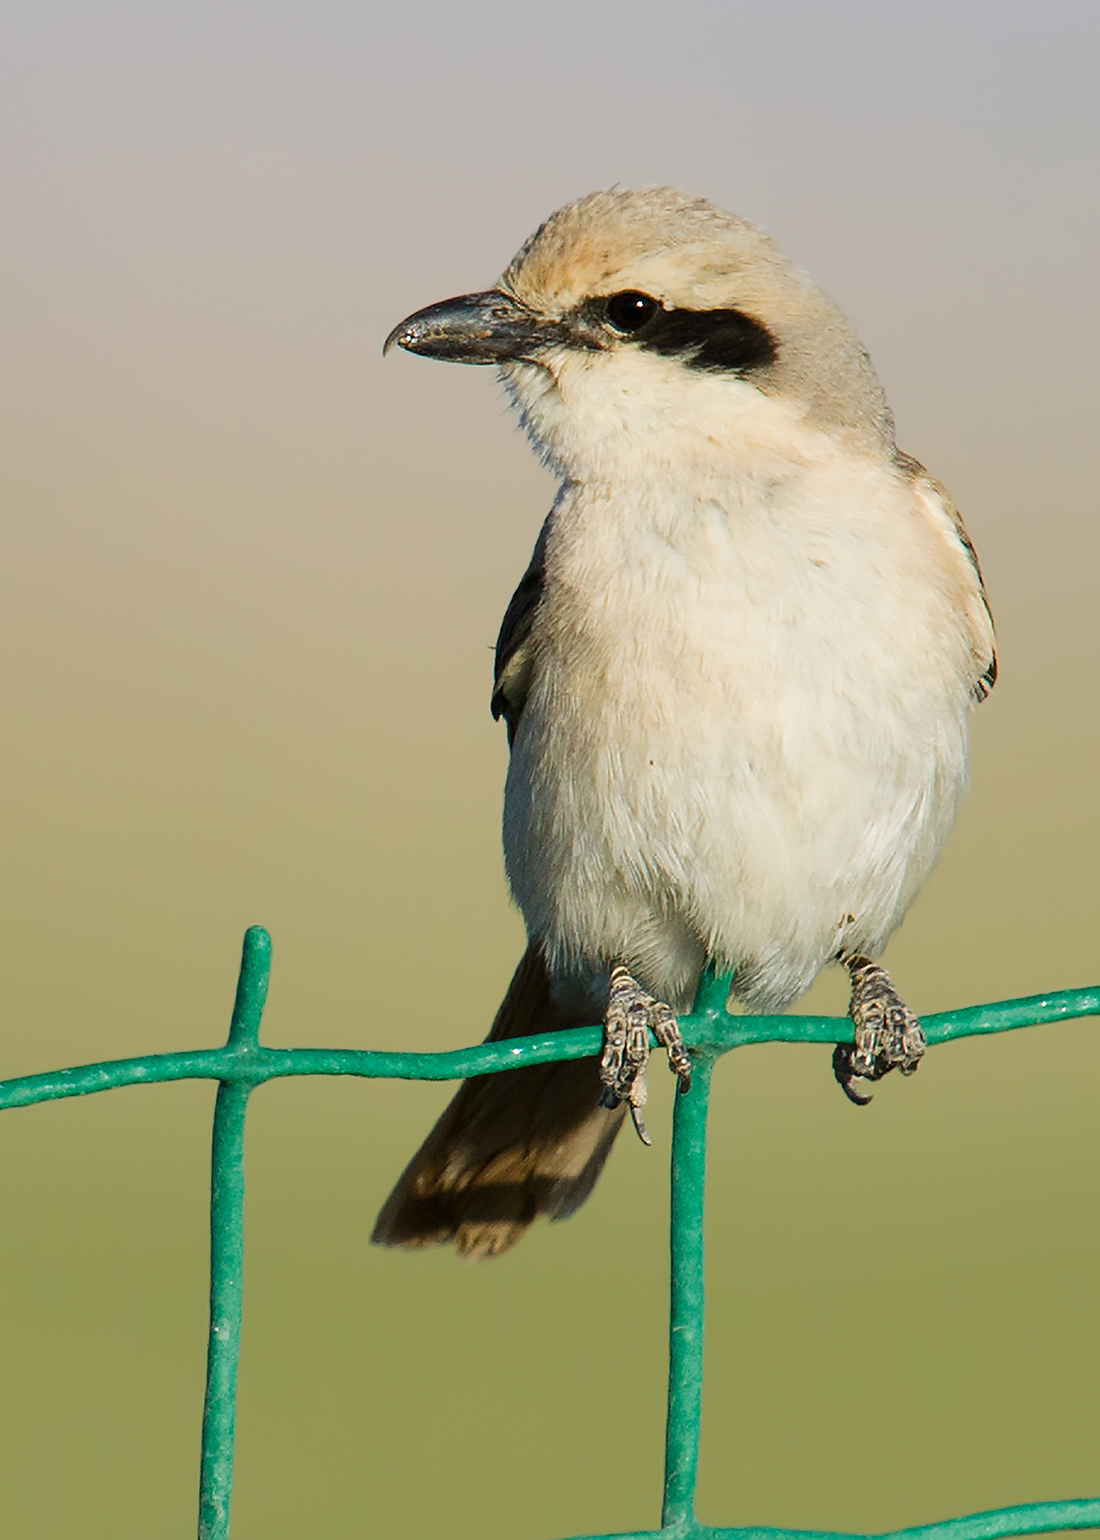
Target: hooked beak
{"x": 487, "y": 328}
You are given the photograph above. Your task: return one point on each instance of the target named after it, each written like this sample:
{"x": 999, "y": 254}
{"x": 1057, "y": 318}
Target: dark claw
{"x": 844, "y": 1071}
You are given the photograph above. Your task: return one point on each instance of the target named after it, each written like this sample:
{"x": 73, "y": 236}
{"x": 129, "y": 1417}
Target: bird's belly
{"x": 741, "y": 780}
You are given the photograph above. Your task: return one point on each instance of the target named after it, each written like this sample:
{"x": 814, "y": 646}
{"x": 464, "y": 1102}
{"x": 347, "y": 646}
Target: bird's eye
{"x": 629, "y": 312}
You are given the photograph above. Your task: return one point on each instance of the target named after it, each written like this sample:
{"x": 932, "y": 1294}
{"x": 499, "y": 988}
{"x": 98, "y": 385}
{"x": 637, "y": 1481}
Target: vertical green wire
{"x": 685, "y": 1348}
{"x": 223, "y": 1344}
{"x": 227, "y": 1246}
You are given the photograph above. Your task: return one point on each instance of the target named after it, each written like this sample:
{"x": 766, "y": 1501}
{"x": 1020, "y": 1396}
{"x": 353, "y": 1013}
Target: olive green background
{"x": 250, "y": 579}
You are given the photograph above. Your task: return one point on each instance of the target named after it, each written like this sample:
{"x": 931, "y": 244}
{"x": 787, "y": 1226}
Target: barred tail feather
{"x": 509, "y": 1147}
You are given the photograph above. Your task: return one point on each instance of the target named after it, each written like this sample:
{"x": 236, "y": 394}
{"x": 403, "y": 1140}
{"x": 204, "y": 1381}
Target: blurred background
{"x": 251, "y": 577}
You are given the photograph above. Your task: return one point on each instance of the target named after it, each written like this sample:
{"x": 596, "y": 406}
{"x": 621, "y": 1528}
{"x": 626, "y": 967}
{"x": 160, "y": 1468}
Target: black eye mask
{"x": 720, "y": 341}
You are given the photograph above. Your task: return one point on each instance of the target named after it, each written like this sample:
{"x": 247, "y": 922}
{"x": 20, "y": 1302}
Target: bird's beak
{"x": 484, "y": 328}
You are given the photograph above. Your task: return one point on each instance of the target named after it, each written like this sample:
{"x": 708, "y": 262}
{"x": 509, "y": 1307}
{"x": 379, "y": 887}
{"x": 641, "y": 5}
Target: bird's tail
{"x": 510, "y": 1146}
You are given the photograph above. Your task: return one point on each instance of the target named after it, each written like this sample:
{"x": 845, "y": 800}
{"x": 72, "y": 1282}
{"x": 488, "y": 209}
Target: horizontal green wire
{"x": 997, "y": 1524}
{"x": 708, "y": 1026}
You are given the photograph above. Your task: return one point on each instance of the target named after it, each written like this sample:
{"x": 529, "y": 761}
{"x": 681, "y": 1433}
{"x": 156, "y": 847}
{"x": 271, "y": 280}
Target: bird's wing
{"x": 938, "y": 500}
{"x": 515, "y": 648}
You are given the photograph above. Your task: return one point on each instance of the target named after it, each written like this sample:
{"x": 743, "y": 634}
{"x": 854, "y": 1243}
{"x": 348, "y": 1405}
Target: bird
{"x": 736, "y": 678}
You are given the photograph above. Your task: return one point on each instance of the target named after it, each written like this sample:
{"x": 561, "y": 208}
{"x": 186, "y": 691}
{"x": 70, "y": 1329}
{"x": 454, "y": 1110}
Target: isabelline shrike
{"x": 736, "y": 678}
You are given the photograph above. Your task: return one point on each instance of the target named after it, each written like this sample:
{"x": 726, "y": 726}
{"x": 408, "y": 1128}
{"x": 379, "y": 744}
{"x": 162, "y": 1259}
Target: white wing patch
{"x": 934, "y": 498}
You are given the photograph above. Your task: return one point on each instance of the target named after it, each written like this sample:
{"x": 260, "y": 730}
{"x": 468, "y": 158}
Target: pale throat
{"x": 630, "y": 419}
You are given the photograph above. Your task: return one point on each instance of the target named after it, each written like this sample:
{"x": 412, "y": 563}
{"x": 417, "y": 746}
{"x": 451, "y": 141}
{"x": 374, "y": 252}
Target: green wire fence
{"x": 709, "y": 1031}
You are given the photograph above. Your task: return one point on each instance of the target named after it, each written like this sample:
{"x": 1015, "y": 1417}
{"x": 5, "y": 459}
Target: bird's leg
{"x": 631, "y": 1015}
{"x": 887, "y": 1034}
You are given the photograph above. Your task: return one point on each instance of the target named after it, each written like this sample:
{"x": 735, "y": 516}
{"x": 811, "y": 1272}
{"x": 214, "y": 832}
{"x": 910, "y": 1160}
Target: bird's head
{"x": 635, "y": 327}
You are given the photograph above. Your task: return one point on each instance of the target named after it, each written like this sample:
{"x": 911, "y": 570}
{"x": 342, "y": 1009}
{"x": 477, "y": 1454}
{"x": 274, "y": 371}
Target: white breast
{"x": 746, "y": 730}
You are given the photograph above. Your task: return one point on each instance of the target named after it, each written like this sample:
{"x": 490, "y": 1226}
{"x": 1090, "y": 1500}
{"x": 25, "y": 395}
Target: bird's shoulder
{"x": 939, "y": 502}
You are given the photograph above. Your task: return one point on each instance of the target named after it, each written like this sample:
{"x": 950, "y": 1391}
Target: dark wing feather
{"x": 514, "y": 652}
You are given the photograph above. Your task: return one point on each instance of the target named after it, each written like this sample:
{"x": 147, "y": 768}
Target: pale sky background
{"x": 250, "y": 579}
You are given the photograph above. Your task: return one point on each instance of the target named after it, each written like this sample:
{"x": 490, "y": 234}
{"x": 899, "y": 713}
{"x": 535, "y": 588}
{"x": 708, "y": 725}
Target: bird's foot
{"x": 630, "y": 1012}
{"x": 887, "y": 1034}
